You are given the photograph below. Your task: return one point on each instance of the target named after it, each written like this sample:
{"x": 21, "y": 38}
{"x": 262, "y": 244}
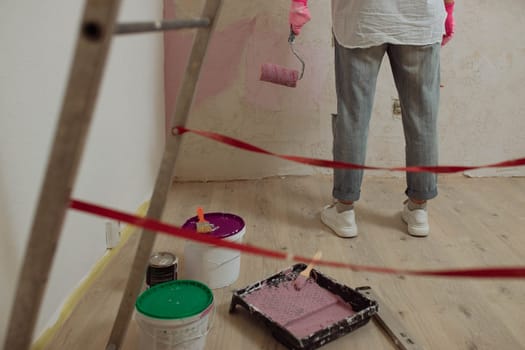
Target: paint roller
{"x": 280, "y": 75}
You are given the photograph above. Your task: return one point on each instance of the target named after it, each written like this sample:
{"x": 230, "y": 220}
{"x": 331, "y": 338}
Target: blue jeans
{"x": 416, "y": 71}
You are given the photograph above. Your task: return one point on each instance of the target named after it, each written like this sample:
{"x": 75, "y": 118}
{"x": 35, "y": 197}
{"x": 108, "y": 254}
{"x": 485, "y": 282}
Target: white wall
{"x": 482, "y": 104}
{"x": 120, "y": 162}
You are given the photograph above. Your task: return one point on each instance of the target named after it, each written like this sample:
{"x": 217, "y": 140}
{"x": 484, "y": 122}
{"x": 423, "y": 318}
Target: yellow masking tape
{"x": 74, "y": 298}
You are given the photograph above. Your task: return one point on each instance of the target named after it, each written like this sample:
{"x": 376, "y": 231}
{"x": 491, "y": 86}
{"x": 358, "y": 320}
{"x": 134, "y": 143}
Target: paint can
{"x": 174, "y": 315}
{"x": 162, "y": 268}
{"x": 216, "y": 267}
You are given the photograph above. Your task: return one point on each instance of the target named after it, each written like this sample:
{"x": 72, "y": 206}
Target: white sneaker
{"x": 417, "y": 221}
{"x": 343, "y": 224}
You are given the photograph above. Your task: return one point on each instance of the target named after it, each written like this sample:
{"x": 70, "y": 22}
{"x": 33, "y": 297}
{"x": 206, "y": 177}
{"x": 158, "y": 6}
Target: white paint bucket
{"x": 216, "y": 267}
{"x": 174, "y": 316}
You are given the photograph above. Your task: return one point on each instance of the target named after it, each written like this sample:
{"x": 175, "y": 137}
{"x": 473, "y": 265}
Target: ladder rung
{"x": 143, "y": 27}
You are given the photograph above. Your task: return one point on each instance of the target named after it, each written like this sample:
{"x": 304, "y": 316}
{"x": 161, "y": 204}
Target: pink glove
{"x": 449, "y": 23}
{"x": 299, "y": 15}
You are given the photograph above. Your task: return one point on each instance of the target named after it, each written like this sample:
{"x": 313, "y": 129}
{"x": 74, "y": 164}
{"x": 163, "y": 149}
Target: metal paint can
{"x": 162, "y": 268}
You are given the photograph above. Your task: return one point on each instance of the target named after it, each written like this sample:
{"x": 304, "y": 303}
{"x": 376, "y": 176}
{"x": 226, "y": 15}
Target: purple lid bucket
{"x": 216, "y": 267}
{"x": 224, "y": 224}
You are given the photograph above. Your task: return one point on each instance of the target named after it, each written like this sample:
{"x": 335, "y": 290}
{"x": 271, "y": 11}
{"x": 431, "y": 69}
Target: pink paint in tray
{"x": 322, "y": 311}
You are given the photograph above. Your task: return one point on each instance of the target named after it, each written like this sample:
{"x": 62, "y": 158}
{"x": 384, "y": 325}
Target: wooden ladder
{"x": 98, "y": 25}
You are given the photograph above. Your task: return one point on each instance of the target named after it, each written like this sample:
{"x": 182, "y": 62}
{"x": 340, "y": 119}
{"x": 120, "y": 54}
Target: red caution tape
{"x": 157, "y": 226}
{"x": 335, "y": 164}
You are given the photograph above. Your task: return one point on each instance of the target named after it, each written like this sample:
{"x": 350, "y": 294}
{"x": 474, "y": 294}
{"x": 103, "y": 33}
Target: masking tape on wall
{"x": 75, "y": 297}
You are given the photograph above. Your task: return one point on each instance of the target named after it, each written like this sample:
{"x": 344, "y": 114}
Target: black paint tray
{"x": 322, "y": 311}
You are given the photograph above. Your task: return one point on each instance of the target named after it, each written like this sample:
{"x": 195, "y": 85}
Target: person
{"x": 411, "y": 33}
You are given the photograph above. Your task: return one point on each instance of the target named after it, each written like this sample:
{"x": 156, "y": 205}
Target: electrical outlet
{"x": 396, "y": 109}
{"x": 112, "y": 234}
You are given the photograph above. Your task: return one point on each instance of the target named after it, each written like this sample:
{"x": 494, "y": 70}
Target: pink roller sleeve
{"x": 276, "y": 74}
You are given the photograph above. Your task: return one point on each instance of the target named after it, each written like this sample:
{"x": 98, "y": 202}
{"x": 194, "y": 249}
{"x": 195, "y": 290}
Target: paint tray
{"x": 320, "y": 312}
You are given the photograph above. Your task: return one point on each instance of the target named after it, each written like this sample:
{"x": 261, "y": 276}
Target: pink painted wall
{"x": 235, "y": 54}
{"x": 221, "y": 66}
{"x": 230, "y": 98}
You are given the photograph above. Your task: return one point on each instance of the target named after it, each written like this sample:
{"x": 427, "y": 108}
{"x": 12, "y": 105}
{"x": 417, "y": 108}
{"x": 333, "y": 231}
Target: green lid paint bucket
{"x": 214, "y": 266}
{"x": 174, "y": 315}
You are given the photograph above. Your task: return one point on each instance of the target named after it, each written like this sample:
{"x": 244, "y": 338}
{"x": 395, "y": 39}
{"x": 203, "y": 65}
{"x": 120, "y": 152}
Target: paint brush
{"x": 300, "y": 281}
{"x": 203, "y": 226}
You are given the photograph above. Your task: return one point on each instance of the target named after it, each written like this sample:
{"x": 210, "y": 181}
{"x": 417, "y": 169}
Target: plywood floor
{"x": 474, "y": 222}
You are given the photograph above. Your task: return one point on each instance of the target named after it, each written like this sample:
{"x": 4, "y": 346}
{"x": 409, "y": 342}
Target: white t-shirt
{"x": 366, "y": 23}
